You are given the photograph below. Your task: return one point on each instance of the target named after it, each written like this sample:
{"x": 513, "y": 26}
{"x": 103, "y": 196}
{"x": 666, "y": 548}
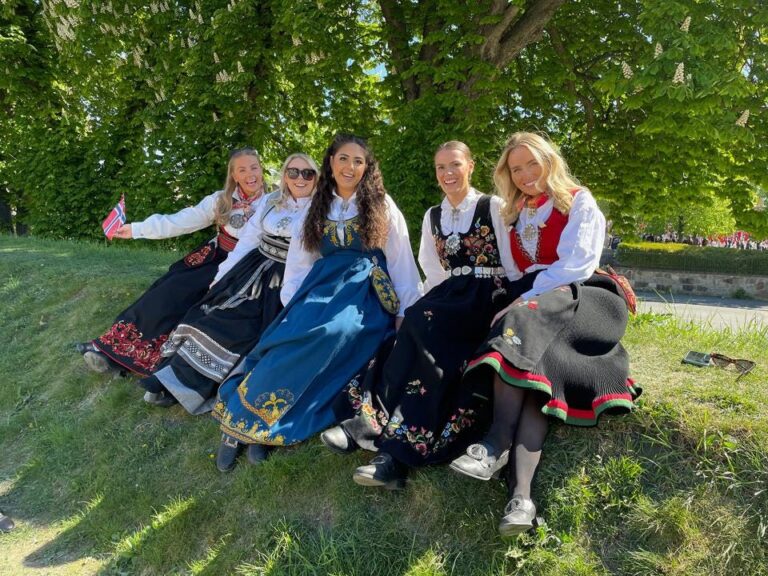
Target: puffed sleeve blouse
{"x": 269, "y": 218}
{"x": 578, "y": 250}
{"x": 190, "y": 219}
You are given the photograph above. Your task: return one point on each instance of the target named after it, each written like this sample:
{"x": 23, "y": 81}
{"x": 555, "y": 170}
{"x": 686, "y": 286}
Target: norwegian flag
{"x": 115, "y": 219}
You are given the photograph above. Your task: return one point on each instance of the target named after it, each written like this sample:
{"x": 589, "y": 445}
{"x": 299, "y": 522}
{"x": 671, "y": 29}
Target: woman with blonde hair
{"x": 555, "y": 351}
{"x": 133, "y": 342}
{"x": 244, "y": 298}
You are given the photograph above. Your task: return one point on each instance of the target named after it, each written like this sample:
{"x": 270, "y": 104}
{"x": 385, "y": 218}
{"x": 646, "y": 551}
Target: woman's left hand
{"x": 504, "y": 311}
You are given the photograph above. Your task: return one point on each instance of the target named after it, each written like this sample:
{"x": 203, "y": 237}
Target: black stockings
{"x": 519, "y": 422}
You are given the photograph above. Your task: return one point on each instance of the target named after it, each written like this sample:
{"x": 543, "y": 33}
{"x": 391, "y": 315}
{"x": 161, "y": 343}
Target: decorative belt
{"x": 274, "y": 247}
{"x": 479, "y": 271}
{"x": 225, "y": 241}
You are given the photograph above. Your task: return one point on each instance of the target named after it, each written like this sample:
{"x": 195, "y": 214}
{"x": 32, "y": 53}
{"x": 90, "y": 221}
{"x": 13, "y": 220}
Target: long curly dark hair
{"x": 371, "y": 203}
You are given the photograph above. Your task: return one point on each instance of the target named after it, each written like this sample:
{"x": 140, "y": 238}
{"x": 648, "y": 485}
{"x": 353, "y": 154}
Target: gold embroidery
{"x": 350, "y": 226}
{"x": 384, "y": 289}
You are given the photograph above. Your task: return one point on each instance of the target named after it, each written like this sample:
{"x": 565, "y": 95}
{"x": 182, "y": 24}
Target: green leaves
{"x": 149, "y": 98}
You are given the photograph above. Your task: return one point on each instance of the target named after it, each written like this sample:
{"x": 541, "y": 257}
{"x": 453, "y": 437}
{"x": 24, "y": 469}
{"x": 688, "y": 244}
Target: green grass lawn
{"x": 101, "y": 483}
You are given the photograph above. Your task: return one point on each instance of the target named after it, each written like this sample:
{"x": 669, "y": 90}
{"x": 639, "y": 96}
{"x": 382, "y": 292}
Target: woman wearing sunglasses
{"x": 134, "y": 341}
{"x": 244, "y": 298}
{"x": 347, "y": 278}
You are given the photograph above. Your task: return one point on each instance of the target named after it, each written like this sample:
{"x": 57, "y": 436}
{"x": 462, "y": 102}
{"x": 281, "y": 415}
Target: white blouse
{"x": 579, "y": 248}
{"x": 397, "y": 250}
{"x": 429, "y": 260}
{"x": 188, "y": 220}
{"x": 271, "y": 217}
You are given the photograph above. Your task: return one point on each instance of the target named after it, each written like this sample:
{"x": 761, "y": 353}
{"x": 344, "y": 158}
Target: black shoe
{"x": 83, "y": 347}
{"x": 339, "y": 440}
{"x": 163, "y": 399}
{"x": 519, "y": 517}
{"x": 226, "y": 455}
{"x": 382, "y": 471}
{"x": 257, "y": 453}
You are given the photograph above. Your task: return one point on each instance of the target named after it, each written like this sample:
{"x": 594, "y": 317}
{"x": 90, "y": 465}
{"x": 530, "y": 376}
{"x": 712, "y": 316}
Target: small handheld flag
{"x": 115, "y": 219}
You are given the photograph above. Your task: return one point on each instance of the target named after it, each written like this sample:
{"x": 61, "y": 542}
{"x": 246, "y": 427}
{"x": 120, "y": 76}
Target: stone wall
{"x": 696, "y": 283}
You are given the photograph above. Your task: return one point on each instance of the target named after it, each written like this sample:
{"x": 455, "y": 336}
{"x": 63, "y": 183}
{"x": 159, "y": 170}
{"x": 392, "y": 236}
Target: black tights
{"x": 519, "y": 422}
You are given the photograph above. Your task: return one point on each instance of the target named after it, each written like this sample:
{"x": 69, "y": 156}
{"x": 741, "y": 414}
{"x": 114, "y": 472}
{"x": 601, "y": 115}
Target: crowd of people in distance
{"x": 306, "y": 314}
{"x": 738, "y": 240}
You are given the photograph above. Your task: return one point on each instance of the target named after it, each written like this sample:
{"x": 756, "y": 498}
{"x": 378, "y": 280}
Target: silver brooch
{"x": 283, "y": 223}
{"x": 452, "y": 244}
{"x": 237, "y": 220}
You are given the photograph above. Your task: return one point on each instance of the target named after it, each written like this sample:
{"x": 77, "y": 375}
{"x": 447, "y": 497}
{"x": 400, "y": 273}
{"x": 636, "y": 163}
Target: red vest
{"x": 549, "y": 238}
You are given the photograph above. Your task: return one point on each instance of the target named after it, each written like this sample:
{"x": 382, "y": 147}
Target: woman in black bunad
{"x": 403, "y": 406}
{"x": 555, "y": 351}
{"x": 134, "y": 340}
{"x": 245, "y": 297}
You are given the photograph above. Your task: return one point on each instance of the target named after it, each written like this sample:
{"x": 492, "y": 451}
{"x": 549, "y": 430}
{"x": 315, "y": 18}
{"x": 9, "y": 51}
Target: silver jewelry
{"x": 453, "y": 242}
{"x": 237, "y": 220}
{"x": 283, "y": 223}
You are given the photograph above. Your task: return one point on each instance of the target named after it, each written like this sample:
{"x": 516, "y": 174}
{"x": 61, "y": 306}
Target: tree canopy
{"x": 657, "y": 105}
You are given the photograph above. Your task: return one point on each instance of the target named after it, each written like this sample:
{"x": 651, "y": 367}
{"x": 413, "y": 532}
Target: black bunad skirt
{"x": 135, "y": 339}
{"x": 566, "y": 345}
{"x": 219, "y": 330}
{"x": 403, "y": 403}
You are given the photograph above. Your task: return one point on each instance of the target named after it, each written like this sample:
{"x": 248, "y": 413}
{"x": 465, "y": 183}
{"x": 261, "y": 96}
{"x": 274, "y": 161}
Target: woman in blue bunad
{"x": 347, "y": 279}
{"x": 404, "y": 404}
{"x": 244, "y": 299}
{"x": 555, "y": 351}
{"x": 134, "y": 340}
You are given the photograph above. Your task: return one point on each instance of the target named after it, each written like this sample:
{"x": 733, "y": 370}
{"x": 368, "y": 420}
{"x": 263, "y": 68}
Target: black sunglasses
{"x": 306, "y": 173}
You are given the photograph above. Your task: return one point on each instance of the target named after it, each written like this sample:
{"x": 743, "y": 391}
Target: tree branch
{"x": 397, "y": 37}
{"x": 520, "y": 31}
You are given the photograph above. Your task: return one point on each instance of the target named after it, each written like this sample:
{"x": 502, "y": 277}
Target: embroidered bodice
{"x": 477, "y": 247}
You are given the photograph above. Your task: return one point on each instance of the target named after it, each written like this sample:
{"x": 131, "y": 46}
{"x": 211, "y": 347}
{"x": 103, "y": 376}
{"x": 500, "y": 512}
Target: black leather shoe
{"x": 163, "y": 399}
{"x": 338, "y": 440}
{"x": 257, "y": 453}
{"x": 83, "y": 347}
{"x": 226, "y": 455}
{"x": 519, "y": 517}
{"x": 383, "y": 471}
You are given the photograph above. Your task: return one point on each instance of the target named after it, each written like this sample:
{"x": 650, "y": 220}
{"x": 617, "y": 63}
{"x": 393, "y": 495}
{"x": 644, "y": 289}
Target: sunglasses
{"x": 306, "y": 173}
{"x": 742, "y": 365}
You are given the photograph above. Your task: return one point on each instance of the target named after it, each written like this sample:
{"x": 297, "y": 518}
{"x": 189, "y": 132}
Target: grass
{"x": 101, "y": 483}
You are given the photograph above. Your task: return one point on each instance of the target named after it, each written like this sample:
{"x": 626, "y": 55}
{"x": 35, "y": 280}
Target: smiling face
{"x": 348, "y": 166}
{"x": 246, "y": 171}
{"x": 453, "y": 169}
{"x": 526, "y": 172}
{"x": 299, "y": 187}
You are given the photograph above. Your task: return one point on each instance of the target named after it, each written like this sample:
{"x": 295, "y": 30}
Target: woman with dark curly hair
{"x": 345, "y": 282}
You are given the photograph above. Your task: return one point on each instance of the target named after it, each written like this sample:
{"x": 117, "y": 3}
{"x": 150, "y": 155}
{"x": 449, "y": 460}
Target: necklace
{"x": 531, "y": 208}
{"x": 342, "y": 221}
